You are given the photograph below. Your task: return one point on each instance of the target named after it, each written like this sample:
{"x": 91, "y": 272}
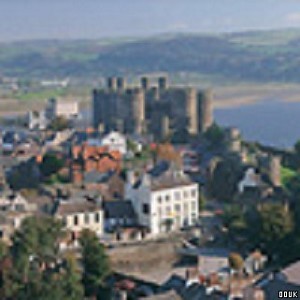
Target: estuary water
{"x": 272, "y": 122}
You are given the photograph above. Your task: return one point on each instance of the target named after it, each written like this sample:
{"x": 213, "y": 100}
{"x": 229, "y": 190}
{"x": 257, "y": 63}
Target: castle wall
{"x": 162, "y": 108}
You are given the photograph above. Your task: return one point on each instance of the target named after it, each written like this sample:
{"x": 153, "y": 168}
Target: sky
{"x": 89, "y": 19}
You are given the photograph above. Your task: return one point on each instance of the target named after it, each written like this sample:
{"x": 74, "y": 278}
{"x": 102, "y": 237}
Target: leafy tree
{"x": 51, "y": 164}
{"x": 38, "y": 271}
{"x": 273, "y": 224}
{"x": 234, "y": 220}
{"x": 215, "y": 135}
{"x": 95, "y": 263}
{"x": 3, "y": 250}
{"x": 235, "y": 261}
{"x": 202, "y": 201}
{"x": 225, "y": 179}
{"x": 59, "y": 124}
{"x": 71, "y": 280}
{"x": 297, "y": 148}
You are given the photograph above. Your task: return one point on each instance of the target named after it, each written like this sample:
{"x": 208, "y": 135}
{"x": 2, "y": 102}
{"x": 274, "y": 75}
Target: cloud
{"x": 293, "y": 18}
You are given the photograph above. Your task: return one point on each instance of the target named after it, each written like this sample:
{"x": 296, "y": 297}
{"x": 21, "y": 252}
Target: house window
{"x": 194, "y": 192}
{"x": 194, "y": 218}
{"x": 146, "y": 209}
{"x": 177, "y": 208}
{"x": 76, "y": 220}
{"x": 168, "y": 210}
{"x": 177, "y": 196}
{"x": 64, "y": 221}
{"x": 167, "y": 198}
{"x": 159, "y": 199}
{"x": 86, "y": 218}
{"x": 97, "y": 218}
{"x": 185, "y": 194}
{"x": 159, "y": 212}
{"x": 186, "y": 208}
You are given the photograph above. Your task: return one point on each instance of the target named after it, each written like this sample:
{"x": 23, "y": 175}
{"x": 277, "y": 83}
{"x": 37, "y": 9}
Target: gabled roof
{"x": 69, "y": 207}
{"x": 170, "y": 295}
{"x": 97, "y": 177}
{"x": 292, "y": 273}
{"x": 119, "y": 209}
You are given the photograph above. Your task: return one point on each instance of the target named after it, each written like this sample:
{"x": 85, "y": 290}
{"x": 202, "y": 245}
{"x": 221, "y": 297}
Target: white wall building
{"x": 251, "y": 179}
{"x": 56, "y": 108}
{"x": 115, "y": 141}
{"x": 79, "y": 215}
{"x": 37, "y": 120}
{"x": 163, "y": 204}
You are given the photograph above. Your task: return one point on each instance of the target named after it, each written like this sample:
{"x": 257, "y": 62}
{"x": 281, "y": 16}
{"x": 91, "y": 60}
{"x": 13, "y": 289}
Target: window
{"x": 193, "y": 206}
{"x": 185, "y": 194}
{"x": 168, "y": 210}
{"x": 177, "y": 196}
{"x": 186, "y": 208}
{"x": 167, "y": 198}
{"x": 177, "y": 208}
{"x": 97, "y": 218}
{"x": 194, "y": 193}
{"x": 159, "y": 212}
{"x": 159, "y": 199}
{"x": 64, "y": 221}
{"x": 146, "y": 209}
{"x": 76, "y": 220}
{"x": 86, "y": 218}
{"x": 194, "y": 218}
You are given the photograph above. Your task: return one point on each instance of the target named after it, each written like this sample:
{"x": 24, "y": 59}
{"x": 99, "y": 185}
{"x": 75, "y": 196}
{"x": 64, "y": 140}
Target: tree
{"x": 234, "y": 220}
{"x": 215, "y": 135}
{"x": 51, "y": 164}
{"x": 273, "y": 224}
{"x": 39, "y": 271}
{"x": 3, "y": 250}
{"x": 225, "y": 179}
{"x": 202, "y": 201}
{"x": 235, "y": 261}
{"x": 71, "y": 279}
{"x": 297, "y": 148}
{"x": 95, "y": 263}
{"x": 59, "y": 124}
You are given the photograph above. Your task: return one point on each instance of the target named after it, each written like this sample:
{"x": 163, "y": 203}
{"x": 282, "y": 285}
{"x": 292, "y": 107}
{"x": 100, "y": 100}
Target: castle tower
{"x": 112, "y": 83}
{"x": 145, "y": 83}
{"x": 121, "y": 83}
{"x": 205, "y": 110}
{"x": 191, "y": 110}
{"x": 163, "y": 83}
{"x": 138, "y": 110}
{"x": 274, "y": 166}
{"x": 165, "y": 126}
{"x": 233, "y": 139}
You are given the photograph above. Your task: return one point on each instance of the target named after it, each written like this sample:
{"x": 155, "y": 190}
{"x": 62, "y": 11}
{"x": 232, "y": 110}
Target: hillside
{"x": 251, "y": 56}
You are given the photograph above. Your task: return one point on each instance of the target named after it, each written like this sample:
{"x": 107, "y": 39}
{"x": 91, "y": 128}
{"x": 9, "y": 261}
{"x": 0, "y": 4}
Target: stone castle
{"x": 160, "y": 110}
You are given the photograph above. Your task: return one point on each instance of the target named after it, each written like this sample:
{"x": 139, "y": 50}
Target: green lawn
{"x": 286, "y": 175}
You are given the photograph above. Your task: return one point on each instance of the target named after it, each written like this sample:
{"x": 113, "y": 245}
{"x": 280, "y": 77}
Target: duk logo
{"x": 288, "y": 294}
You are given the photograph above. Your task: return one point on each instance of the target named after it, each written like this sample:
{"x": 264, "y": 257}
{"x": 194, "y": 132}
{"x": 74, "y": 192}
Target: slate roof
{"x": 164, "y": 176}
{"x": 97, "y": 177}
{"x": 119, "y": 209}
{"x": 74, "y": 208}
{"x": 292, "y": 273}
{"x": 170, "y": 295}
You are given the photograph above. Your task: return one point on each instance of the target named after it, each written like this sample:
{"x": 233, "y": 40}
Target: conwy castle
{"x": 160, "y": 109}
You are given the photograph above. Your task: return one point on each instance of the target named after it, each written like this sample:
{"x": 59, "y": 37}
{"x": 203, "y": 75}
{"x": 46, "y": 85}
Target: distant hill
{"x": 249, "y": 56}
